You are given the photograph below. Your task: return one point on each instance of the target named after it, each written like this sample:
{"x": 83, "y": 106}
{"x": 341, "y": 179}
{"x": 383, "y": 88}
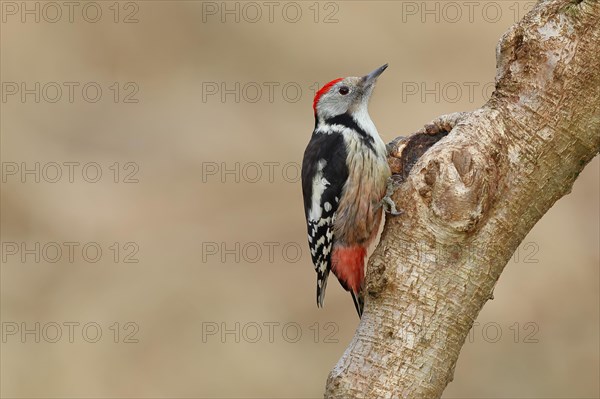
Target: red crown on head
{"x": 322, "y": 91}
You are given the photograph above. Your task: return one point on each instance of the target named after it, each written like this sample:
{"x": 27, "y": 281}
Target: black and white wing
{"x": 324, "y": 173}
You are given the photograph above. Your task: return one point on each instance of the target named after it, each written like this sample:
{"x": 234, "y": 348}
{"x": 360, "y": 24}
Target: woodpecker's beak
{"x": 370, "y": 79}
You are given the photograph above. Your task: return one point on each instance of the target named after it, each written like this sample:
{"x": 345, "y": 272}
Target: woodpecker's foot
{"x": 389, "y": 206}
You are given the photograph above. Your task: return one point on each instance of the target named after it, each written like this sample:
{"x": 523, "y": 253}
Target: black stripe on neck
{"x": 348, "y": 121}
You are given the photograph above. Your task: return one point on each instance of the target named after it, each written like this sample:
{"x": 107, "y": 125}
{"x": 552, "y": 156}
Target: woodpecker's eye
{"x": 344, "y": 90}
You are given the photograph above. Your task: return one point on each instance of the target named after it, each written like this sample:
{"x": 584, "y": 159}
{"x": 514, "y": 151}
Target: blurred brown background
{"x": 204, "y": 112}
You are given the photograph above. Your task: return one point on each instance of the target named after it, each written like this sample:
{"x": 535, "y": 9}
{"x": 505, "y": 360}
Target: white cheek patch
{"x": 332, "y": 104}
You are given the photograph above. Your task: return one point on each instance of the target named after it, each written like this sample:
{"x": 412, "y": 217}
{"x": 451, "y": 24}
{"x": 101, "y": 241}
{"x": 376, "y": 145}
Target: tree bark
{"x": 471, "y": 197}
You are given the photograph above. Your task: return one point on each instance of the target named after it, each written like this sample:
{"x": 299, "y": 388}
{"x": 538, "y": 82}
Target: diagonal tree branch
{"x": 473, "y": 185}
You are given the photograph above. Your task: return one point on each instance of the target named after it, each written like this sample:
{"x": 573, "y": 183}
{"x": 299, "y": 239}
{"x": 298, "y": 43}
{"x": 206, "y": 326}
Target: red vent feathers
{"x": 348, "y": 264}
{"x": 322, "y": 91}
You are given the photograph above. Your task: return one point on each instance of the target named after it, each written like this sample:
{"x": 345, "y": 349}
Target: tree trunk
{"x": 471, "y": 197}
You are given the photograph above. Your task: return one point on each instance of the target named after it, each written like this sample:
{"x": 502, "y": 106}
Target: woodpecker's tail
{"x": 359, "y": 301}
{"x": 321, "y": 285}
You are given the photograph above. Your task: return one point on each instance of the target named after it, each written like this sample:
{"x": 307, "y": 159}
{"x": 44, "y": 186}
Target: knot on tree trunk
{"x": 455, "y": 181}
{"x": 455, "y": 185}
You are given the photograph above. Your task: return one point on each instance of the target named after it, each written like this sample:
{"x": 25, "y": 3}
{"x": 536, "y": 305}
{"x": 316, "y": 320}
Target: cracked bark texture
{"x": 469, "y": 198}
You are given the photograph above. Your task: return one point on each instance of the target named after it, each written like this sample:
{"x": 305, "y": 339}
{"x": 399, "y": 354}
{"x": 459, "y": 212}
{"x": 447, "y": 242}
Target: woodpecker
{"x": 344, "y": 181}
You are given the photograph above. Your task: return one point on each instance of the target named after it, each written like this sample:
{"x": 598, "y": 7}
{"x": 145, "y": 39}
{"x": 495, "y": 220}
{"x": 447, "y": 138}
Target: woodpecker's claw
{"x": 389, "y": 206}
